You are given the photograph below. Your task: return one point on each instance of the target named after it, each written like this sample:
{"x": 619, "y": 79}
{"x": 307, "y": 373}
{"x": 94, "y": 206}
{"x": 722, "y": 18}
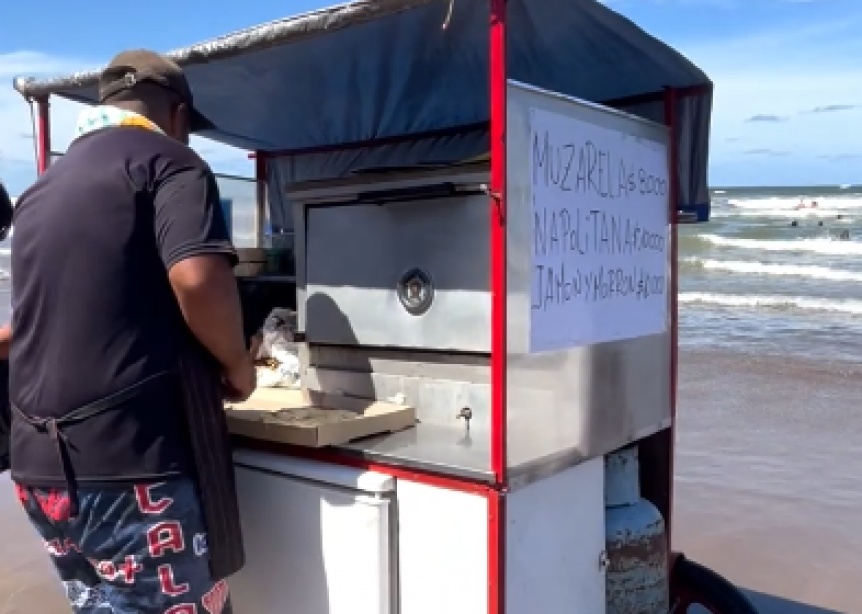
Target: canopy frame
{"x": 656, "y": 451}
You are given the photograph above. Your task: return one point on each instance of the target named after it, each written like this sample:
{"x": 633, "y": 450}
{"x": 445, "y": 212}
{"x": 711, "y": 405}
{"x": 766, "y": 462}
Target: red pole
{"x": 43, "y": 135}
{"x": 497, "y": 68}
{"x": 670, "y": 119}
{"x": 496, "y": 500}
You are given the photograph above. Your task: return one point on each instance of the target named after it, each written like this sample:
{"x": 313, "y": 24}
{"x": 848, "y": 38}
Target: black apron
{"x": 53, "y": 427}
{"x": 207, "y": 420}
{"x": 211, "y": 453}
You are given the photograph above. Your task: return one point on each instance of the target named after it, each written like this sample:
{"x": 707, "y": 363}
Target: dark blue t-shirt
{"x": 93, "y": 310}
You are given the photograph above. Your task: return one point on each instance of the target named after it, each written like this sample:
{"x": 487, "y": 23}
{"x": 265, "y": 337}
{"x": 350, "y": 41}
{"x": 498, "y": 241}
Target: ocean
{"x": 768, "y": 489}
{"x": 749, "y": 278}
{"x": 769, "y": 427}
{"x": 767, "y": 274}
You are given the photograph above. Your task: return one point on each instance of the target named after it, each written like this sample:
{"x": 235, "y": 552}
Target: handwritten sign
{"x": 599, "y": 234}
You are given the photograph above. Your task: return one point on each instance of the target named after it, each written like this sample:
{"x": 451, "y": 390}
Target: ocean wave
{"x": 847, "y": 215}
{"x": 802, "y": 303}
{"x": 788, "y": 270}
{"x": 788, "y": 203}
{"x": 817, "y": 246}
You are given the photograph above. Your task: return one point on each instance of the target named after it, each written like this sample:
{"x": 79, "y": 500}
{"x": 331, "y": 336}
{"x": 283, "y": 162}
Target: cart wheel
{"x": 694, "y": 589}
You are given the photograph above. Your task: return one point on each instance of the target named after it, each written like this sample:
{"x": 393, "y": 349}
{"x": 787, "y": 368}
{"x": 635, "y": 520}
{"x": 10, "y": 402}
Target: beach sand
{"x": 27, "y": 583}
{"x": 769, "y": 487}
{"x": 768, "y": 490}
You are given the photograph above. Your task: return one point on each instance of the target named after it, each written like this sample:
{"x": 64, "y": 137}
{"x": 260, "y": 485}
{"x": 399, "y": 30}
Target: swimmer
{"x": 794, "y": 223}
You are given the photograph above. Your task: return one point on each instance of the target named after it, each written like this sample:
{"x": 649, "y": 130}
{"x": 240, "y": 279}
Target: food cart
{"x": 480, "y": 200}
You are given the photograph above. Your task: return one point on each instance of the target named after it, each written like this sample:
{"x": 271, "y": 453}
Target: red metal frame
{"x": 327, "y": 455}
{"x": 497, "y": 204}
{"x": 43, "y": 134}
{"x": 496, "y": 552}
{"x": 670, "y": 117}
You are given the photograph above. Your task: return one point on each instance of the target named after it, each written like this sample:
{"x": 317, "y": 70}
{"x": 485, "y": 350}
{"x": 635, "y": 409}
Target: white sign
{"x": 600, "y": 234}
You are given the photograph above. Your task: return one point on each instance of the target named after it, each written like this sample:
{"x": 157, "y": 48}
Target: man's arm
{"x": 206, "y": 290}
{"x": 198, "y": 255}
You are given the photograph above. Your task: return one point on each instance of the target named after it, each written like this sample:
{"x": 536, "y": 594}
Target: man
{"x": 121, "y": 255}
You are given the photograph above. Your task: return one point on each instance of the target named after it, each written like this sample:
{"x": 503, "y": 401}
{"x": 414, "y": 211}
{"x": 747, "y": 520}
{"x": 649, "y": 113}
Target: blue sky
{"x": 787, "y": 73}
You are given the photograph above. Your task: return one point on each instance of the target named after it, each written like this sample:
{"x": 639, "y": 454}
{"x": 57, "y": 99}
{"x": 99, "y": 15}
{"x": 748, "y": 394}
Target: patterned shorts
{"x": 139, "y": 549}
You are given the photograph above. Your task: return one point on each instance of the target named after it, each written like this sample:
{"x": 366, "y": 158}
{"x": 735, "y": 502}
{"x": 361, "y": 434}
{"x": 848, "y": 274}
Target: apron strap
{"x": 53, "y": 427}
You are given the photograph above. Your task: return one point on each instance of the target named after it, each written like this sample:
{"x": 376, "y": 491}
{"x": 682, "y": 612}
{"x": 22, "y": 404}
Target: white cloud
{"x": 17, "y": 158}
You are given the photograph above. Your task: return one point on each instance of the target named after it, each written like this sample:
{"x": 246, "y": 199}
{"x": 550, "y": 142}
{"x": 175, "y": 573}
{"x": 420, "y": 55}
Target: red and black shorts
{"x": 138, "y": 549}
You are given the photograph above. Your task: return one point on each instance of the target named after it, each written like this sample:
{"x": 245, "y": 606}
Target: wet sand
{"x": 769, "y": 486}
{"x": 768, "y": 490}
{"x": 27, "y": 584}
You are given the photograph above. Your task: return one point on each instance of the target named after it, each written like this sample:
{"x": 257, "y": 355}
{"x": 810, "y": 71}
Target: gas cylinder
{"x": 637, "y": 549}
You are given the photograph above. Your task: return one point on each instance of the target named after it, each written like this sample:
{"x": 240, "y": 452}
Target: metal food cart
{"x": 481, "y": 199}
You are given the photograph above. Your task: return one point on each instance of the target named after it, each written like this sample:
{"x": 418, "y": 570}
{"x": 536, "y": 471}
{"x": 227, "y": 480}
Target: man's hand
{"x": 240, "y": 381}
